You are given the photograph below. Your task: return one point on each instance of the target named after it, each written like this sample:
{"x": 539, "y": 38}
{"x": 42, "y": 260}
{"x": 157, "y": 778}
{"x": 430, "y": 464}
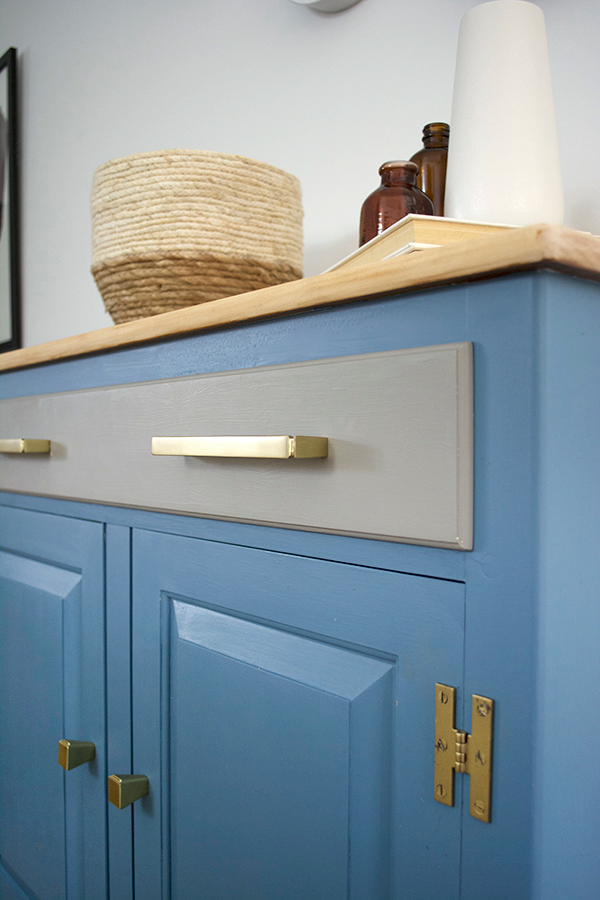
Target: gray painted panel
{"x": 399, "y": 425}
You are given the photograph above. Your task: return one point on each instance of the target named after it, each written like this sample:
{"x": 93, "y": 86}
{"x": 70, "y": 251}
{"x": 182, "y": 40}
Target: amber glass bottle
{"x": 432, "y": 161}
{"x": 396, "y": 197}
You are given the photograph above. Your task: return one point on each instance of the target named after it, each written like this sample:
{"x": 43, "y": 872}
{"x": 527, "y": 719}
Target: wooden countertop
{"x": 533, "y": 247}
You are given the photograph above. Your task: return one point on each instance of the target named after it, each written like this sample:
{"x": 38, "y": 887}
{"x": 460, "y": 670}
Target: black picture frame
{"x": 10, "y": 258}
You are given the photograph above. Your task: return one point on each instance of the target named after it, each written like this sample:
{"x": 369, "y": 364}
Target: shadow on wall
{"x": 319, "y": 257}
{"x": 584, "y": 212}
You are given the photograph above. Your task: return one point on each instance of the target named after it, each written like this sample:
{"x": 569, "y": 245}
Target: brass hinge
{"x": 457, "y": 751}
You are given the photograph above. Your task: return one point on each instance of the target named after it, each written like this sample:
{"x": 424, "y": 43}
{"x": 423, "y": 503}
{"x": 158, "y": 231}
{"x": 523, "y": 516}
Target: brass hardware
{"x": 457, "y": 751}
{"x": 126, "y": 789}
{"x": 75, "y": 753}
{"x": 273, "y": 446}
{"x": 23, "y": 445}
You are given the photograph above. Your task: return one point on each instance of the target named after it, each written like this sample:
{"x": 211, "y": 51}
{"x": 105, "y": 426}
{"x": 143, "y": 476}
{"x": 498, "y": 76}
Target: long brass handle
{"x": 75, "y": 753}
{"x": 23, "y": 445}
{"x": 123, "y": 790}
{"x": 270, "y": 446}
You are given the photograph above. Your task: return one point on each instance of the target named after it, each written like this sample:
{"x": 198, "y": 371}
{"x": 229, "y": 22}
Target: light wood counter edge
{"x": 535, "y": 246}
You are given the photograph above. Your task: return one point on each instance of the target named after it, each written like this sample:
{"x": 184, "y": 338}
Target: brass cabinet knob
{"x": 74, "y": 753}
{"x": 126, "y": 789}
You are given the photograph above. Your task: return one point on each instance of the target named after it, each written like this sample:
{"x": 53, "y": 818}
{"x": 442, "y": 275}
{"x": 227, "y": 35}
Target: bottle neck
{"x": 434, "y": 141}
{"x": 400, "y": 171}
{"x": 436, "y": 135}
{"x": 398, "y": 176}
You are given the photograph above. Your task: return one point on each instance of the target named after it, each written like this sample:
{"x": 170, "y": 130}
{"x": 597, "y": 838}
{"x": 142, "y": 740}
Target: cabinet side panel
{"x": 567, "y": 823}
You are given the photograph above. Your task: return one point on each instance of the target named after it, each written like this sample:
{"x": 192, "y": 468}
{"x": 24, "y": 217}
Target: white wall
{"x": 327, "y": 98}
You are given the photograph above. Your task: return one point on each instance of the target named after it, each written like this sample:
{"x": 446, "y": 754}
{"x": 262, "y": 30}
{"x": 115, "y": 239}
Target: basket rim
{"x": 214, "y": 155}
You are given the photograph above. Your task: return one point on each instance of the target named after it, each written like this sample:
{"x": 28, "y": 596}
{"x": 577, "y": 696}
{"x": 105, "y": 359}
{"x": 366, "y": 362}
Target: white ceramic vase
{"x": 503, "y": 161}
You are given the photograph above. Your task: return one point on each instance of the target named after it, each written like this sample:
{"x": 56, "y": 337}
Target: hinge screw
{"x": 483, "y": 709}
{"x": 443, "y": 697}
{"x": 441, "y": 744}
{"x": 440, "y": 790}
{"x": 479, "y": 807}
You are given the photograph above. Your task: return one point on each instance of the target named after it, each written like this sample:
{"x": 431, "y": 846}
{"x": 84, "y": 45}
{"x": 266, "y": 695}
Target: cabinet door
{"x": 52, "y": 822}
{"x": 283, "y": 712}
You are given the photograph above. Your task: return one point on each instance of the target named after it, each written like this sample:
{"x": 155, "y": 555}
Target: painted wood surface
{"x": 399, "y": 427}
{"x": 567, "y": 823}
{"x": 118, "y": 704}
{"x": 53, "y": 823}
{"x": 9, "y": 889}
{"x": 409, "y": 558}
{"x": 299, "y": 694}
{"x": 395, "y": 322}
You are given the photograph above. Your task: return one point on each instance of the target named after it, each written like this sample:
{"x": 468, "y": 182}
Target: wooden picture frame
{"x": 10, "y": 281}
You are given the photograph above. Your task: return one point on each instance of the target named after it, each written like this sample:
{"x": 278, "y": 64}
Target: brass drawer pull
{"x": 23, "y": 445}
{"x": 75, "y": 753}
{"x": 123, "y": 790}
{"x": 271, "y": 446}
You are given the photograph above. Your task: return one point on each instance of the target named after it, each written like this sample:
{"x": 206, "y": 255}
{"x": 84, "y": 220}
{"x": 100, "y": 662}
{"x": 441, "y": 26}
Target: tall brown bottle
{"x": 396, "y": 197}
{"x": 432, "y": 161}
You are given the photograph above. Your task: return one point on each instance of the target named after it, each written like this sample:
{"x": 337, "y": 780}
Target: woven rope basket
{"x": 174, "y": 228}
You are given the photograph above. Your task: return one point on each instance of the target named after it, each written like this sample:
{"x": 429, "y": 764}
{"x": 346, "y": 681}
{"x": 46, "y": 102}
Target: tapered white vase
{"x": 503, "y": 160}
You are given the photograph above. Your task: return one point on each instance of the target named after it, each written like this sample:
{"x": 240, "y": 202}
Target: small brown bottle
{"x": 396, "y": 197}
{"x": 432, "y": 161}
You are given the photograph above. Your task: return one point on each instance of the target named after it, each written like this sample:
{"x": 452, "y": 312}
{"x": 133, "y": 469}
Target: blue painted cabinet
{"x": 277, "y": 686}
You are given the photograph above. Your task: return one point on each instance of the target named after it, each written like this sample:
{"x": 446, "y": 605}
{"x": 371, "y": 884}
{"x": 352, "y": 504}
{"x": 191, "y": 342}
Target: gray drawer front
{"x": 399, "y": 424}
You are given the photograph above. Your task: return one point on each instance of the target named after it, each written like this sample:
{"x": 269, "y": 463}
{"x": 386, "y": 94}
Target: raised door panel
{"x": 295, "y": 736}
{"x": 284, "y": 714}
{"x": 9, "y": 889}
{"x": 53, "y": 823}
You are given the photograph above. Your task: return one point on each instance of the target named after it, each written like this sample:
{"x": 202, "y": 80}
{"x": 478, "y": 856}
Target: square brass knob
{"x": 74, "y": 753}
{"x": 123, "y": 790}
